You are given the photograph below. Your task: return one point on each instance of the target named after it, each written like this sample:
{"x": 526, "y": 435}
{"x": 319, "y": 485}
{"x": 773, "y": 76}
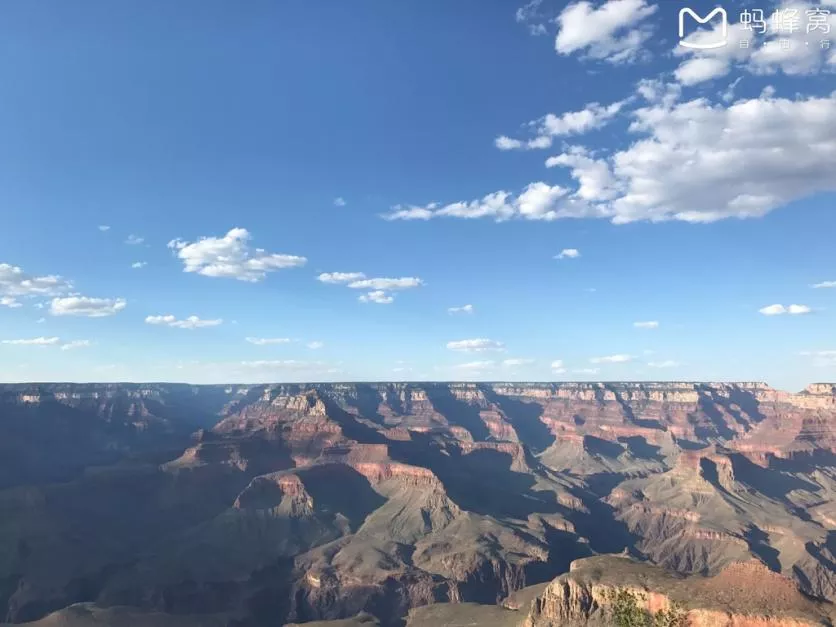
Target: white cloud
{"x": 231, "y": 257}
{"x": 339, "y": 202}
{"x": 476, "y": 345}
{"x": 558, "y": 367}
{"x": 669, "y": 363}
{"x": 134, "y": 240}
{"x": 824, "y": 284}
{"x": 594, "y": 176}
{"x": 592, "y": 116}
{"x": 264, "y": 341}
{"x": 40, "y": 320}
{"x": 35, "y": 341}
{"x": 694, "y": 161}
{"x": 15, "y": 282}
{"x": 11, "y": 303}
{"x": 86, "y": 306}
{"x": 703, "y": 162}
{"x": 139, "y": 264}
{"x": 192, "y": 322}
{"x": 778, "y": 310}
{"x": 613, "y": 31}
{"x": 517, "y": 362}
{"x": 315, "y": 345}
{"x": 587, "y": 370}
{"x": 568, "y": 253}
{"x": 104, "y": 227}
{"x": 403, "y": 283}
{"x": 612, "y": 359}
{"x": 340, "y": 277}
{"x": 377, "y": 296}
{"x": 76, "y": 344}
{"x": 529, "y": 15}
{"x": 503, "y": 142}
{"x": 464, "y": 309}
{"x": 649, "y": 324}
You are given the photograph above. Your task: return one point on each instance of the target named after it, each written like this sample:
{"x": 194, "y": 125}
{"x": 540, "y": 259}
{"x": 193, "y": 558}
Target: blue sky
{"x": 468, "y": 143}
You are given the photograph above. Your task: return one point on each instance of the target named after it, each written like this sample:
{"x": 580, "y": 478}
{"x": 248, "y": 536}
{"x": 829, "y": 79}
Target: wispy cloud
{"x": 649, "y": 324}
{"x": 76, "y": 344}
{"x": 823, "y": 285}
{"x": 558, "y": 367}
{"x": 668, "y": 363}
{"x": 476, "y": 345}
{"x": 339, "y": 202}
{"x": 35, "y": 341}
{"x": 464, "y": 309}
{"x": 476, "y": 365}
{"x": 139, "y": 264}
{"x": 517, "y": 362}
{"x": 192, "y": 322}
{"x": 134, "y": 240}
{"x": 264, "y": 341}
{"x": 104, "y": 227}
{"x": 612, "y": 359}
{"x": 315, "y": 345}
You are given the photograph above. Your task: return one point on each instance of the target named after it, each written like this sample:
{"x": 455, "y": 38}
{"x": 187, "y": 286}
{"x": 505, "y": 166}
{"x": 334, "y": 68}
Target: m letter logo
{"x": 699, "y": 43}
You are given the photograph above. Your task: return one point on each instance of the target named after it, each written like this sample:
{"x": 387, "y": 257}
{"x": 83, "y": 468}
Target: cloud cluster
{"x": 191, "y": 323}
{"x": 231, "y": 257}
{"x": 380, "y": 287}
{"x": 86, "y": 306}
{"x": 779, "y": 310}
{"x": 613, "y": 32}
{"x": 15, "y": 283}
{"x": 692, "y": 161}
{"x": 551, "y": 126}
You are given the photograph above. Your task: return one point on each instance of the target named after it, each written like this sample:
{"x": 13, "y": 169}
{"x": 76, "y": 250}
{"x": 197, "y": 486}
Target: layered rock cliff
{"x": 299, "y": 502}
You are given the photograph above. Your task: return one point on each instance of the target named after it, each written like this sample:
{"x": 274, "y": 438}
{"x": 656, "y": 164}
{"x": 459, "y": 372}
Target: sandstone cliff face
{"x": 744, "y": 595}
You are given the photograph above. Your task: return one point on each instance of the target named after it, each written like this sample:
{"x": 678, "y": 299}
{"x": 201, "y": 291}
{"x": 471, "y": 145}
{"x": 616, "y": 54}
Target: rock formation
{"x": 263, "y": 504}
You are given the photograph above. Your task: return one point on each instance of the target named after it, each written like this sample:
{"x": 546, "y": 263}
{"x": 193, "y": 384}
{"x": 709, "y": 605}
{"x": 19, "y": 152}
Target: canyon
{"x": 393, "y": 503}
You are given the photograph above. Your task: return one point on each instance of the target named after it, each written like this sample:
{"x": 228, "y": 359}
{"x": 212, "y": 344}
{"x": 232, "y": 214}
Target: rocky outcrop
{"x": 743, "y": 595}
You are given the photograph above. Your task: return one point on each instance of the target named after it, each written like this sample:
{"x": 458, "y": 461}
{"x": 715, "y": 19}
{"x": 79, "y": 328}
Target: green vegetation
{"x": 627, "y": 612}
